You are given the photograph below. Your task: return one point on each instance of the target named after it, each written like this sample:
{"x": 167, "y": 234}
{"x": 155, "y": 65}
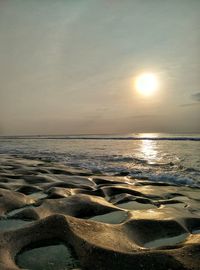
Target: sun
{"x": 146, "y": 83}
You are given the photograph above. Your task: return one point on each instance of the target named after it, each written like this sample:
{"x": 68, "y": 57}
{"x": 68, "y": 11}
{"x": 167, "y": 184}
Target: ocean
{"x": 170, "y": 158}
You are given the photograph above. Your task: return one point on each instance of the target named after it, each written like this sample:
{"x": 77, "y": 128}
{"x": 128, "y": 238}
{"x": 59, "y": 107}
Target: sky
{"x": 68, "y": 67}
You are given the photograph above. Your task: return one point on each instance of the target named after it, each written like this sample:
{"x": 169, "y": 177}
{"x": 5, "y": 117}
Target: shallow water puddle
{"x": 52, "y": 257}
{"x": 37, "y": 195}
{"x": 196, "y": 232}
{"x": 9, "y": 224}
{"x": 135, "y": 206}
{"x": 115, "y": 217}
{"x": 171, "y": 241}
{"x": 18, "y": 210}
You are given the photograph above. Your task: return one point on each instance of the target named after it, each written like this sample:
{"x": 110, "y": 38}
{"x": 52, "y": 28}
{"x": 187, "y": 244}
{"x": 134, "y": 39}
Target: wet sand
{"x": 56, "y": 217}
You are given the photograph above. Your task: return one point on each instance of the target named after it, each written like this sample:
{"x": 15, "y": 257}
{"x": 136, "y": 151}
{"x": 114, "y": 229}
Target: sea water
{"x": 170, "y": 158}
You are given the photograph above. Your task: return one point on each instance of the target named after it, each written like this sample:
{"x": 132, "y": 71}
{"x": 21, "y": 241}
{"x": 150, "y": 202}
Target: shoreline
{"x": 105, "y": 222}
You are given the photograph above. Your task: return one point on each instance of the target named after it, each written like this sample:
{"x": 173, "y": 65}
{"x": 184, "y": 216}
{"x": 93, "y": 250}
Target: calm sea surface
{"x": 172, "y": 158}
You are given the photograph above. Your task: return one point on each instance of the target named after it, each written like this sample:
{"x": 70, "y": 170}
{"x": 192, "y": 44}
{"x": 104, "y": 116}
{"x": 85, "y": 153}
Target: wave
{"x": 117, "y": 165}
{"x": 99, "y": 138}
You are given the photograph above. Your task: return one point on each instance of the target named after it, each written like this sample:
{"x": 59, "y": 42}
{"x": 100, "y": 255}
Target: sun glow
{"x": 146, "y": 84}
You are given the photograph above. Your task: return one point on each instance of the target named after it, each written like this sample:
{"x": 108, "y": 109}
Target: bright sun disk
{"x": 146, "y": 84}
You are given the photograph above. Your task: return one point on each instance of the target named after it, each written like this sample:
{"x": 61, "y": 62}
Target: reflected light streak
{"x": 148, "y": 149}
{"x": 148, "y": 135}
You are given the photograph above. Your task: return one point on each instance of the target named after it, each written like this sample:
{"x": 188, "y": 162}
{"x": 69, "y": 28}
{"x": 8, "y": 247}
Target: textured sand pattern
{"x": 107, "y": 222}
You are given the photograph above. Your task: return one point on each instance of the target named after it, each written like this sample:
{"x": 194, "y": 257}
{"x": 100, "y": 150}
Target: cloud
{"x": 143, "y": 116}
{"x": 196, "y": 96}
{"x": 190, "y": 104}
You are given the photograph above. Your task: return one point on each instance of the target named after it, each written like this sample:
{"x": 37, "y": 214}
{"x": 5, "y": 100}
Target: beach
{"x": 55, "y": 216}
{"x": 99, "y": 135}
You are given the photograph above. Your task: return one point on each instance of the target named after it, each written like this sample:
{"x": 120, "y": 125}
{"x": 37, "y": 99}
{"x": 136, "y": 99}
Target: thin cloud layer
{"x": 69, "y": 66}
{"x": 196, "y": 97}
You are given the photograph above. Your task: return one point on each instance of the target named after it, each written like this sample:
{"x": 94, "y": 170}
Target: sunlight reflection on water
{"x": 149, "y": 151}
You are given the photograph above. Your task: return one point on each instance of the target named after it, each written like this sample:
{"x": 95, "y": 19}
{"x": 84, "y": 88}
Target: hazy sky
{"x": 68, "y": 66}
